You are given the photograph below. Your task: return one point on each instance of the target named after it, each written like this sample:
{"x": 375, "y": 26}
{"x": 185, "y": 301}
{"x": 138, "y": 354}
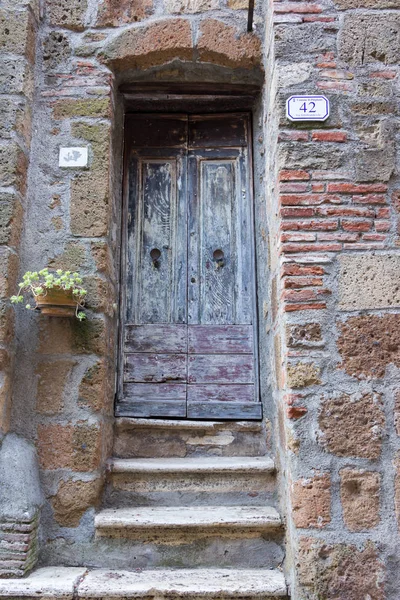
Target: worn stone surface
{"x": 72, "y": 258}
{"x": 11, "y": 215}
{"x": 368, "y": 344}
{"x": 311, "y": 502}
{"x": 302, "y": 335}
{"x": 53, "y": 377}
{"x": 190, "y": 6}
{"x": 81, "y": 107}
{"x": 13, "y": 165}
{"x": 352, "y": 425}
{"x": 56, "y": 50}
{"x": 360, "y": 496}
{"x": 370, "y": 38}
{"x": 113, "y": 13}
{"x": 17, "y": 33}
{"x": 67, "y": 13}
{"x": 155, "y": 44}
{"x": 76, "y": 447}
{"x": 302, "y": 374}
{"x": 376, "y": 4}
{"x": 340, "y": 571}
{"x": 369, "y": 281}
{"x": 92, "y": 390}
{"x": 221, "y": 44}
{"x": 73, "y": 499}
{"x": 15, "y": 76}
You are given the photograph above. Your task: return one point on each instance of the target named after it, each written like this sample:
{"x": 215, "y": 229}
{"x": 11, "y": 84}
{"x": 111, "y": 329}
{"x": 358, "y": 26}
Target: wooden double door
{"x": 188, "y": 347}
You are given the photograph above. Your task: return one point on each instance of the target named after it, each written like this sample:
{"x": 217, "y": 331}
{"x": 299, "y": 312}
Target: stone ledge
{"x": 209, "y": 464}
{"x": 74, "y": 583}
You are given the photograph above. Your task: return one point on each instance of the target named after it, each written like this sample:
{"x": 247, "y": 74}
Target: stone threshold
{"x": 204, "y": 464}
{"x": 73, "y": 583}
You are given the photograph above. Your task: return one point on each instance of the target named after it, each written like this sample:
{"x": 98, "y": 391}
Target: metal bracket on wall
{"x": 250, "y": 16}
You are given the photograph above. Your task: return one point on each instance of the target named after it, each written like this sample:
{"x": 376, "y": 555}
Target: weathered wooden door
{"x": 188, "y": 347}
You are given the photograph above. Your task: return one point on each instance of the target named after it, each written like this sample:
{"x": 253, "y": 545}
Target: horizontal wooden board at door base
{"x": 151, "y": 409}
{"x": 215, "y": 339}
{"x": 224, "y": 410}
{"x": 220, "y": 393}
{"x": 156, "y": 338}
{"x": 155, "y": 368}
{"x": 221, "y": 368}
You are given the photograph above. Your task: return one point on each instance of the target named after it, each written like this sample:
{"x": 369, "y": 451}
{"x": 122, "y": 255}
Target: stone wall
{"x": 337, "y": 283}
{"x": 330, "y": 193}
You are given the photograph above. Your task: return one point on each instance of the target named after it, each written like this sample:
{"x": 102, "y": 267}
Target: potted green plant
{"x": 56, "y": 294}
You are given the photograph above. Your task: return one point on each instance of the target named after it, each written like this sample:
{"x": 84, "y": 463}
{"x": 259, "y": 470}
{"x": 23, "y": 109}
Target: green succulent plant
{"x": 38, "y": 283}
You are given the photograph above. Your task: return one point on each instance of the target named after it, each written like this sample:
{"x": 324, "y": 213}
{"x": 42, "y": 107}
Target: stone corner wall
{"x": 336, "y": 282}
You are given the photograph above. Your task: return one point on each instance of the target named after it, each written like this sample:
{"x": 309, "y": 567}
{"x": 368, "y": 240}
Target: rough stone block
{"x": 72, "y": 259}
{"x": 369, "y": 281}
{"x": 11, "y": 214}
{"x": 376, "y": 4}
{"x": 340, "y": 571}
{"x": 370, "y": 38}
{"x": 302, "y": 374}
{"x": 296, "y": 42}
{"x": 221, "y": 44}
{"x": 55, "y": 336}
{"x": 298, "y": 336}
{"x": 11, "y": 116}
{"x": 93, "y": 387}
{"x": 76, "y": 447}
{"x": 359, "y": 493}
{"x": 82, "y": 107}
{"x": 352, "y": 425}
{"x": 238, "y": 4}
{"x": 312, "y": 156}
{"x": 152, "y": 45}
{"x": 114, "y": 13}
{"x": 15, "y": 76}
{"x": 17, "y": 33}
{"x": 368, "y": 344}
{"x": 190, "y": 6}
{"x": 13, "y": 166}
{"x": 67, "y": 13}
{"x": 73, "y": 499}
{"x": 376, "y": 165}
{"x": 53, "y": 377}
{"x": 56, "y": 50}
{"x": 311, "y": 501}
{"x": 89, "y": 211}
{"x": 7, "y": 319}
{"x": 89, "y": 337}
{"x": 9, "y": 264}
{"x": 102, "y": 257}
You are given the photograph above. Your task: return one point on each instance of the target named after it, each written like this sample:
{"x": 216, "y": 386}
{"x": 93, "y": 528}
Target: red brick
{"x": 370, "y": 199}
{"x": 307, "y": 199}
{"x": 310, "y": 19}
{"x": 293, "y": 269}
{"x": 298, "y": 237}
{"x": 318, "y": 187}
{"x": 296, "y": 7}
{"x": 299, "y": 247}
{"x": 382, "y": 213}
{"x": 320, "y": 225}
{"x": 297, "y": 212}
{"x": 336, "y": 74}
{"x": 295, "y": 136}
{"x": 356, "y": 225}
{"x": 299, "y": 295}
{"x": 326, "y": 65}
{"x": 309, "y": 306}
{"x": 354, "y": 188}
{"x": 299, "y": 282}
{"x": 374, "y": 237}
{"x": 344, "y": 211}
{"x": 338, "y": 237}
{"x": 329, "y": 136}
{"x": 335, "y": 85}
{"x": 294, "y": 187}
{"x": 296, "y": 412}
{"x": 293, "y": 175}
{"x": 382, "y": 225}
{"x": 384, "y": 74}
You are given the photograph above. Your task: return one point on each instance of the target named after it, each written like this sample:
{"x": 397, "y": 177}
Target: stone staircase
{"x": 189, "y": 510}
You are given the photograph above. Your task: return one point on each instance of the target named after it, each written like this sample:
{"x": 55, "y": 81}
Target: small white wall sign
{"x": 307, "y": 108}
{"x": 73, "y": 157}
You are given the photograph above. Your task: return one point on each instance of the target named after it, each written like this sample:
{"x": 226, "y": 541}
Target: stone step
{"x": 222, "y": 481}
{"x": 91, "y": 584}
{"x": 153, "y": 438}
{"x": 170, "y": 523}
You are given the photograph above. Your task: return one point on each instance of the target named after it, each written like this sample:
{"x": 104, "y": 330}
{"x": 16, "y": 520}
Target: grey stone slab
{"x": 212, "y": 464}
{"x": 48, "y": 582}
{"x": 369, "y": 281}
{"x": 183, "y": 583}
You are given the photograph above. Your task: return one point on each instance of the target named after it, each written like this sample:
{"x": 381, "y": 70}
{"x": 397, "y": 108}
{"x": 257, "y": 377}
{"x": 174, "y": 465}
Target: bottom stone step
{"x": 75, "y": 583}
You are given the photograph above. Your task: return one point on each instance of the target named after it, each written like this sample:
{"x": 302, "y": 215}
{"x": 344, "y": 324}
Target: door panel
{"x": 188, "y": 348}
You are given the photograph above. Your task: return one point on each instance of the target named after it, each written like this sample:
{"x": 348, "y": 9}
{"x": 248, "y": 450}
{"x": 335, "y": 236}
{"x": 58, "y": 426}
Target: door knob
{"x": 219, "y": 257}
{"x": 155, "y": 255}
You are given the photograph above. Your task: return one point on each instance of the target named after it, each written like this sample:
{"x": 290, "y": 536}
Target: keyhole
{"x": 155, "y": 255}
{"x": 218, "y": 256}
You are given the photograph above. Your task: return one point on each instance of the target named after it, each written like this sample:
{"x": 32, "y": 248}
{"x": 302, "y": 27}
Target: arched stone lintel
{"x": 163, "y": 41}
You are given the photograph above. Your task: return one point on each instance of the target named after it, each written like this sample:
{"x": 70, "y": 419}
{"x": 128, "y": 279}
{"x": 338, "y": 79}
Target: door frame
{"x": 242, "y": 99}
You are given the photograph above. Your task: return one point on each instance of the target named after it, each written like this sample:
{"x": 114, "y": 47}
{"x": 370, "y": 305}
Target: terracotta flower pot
{"x": 57, "y": 303}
